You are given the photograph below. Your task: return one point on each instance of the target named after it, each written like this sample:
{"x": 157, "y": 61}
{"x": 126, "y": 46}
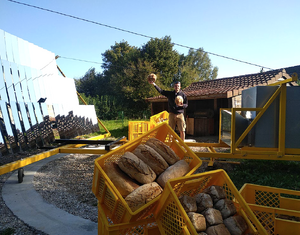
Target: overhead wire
{"x": 135, "y": 33}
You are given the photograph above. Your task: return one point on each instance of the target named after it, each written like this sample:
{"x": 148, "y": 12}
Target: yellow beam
{"x": 24, "y": 162}
{"x": 71, "y": 148}
{"x": 255, "y": 120}
{"x": 215, "y": 145}
{"x": 83, "y": 151}
{"x": 257, "y": 156}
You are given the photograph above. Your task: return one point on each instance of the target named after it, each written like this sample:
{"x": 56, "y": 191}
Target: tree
{"x": 195, "y": 67}
{"x": 123, "y": 84}
{"x": 160, "y": 53}
{"x": 87, "y": 84}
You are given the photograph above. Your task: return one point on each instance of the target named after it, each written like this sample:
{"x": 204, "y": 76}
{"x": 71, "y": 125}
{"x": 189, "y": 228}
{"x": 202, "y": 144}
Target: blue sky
{"x": 266, "y": 33}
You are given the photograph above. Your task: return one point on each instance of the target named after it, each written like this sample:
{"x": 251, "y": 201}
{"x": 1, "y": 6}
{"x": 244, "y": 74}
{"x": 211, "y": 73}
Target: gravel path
{"x": 66, "y": 183}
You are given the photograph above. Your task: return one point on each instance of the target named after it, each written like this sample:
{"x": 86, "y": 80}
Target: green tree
{"x": 195, "y": 67}
{"x": 116, "y": 61}
{"x": 164, "y": 59}
{"x": 123, "y": 84}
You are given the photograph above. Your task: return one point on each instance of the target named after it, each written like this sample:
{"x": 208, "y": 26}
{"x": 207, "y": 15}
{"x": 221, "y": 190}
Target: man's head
{"x": 177, "y": 86}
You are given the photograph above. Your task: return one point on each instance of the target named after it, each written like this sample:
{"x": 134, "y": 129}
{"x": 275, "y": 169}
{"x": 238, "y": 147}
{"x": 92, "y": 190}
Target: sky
{"x": 261, "y": 32}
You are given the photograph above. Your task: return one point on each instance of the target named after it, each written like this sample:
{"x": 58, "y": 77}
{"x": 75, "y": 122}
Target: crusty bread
{"x": 188, "y": 203}
{"x": 164, "y": 150}
{"x": 123, "y": 183}
{"x": 136, "y": 168}
{"x": 151, "y": 78}
{"x": 179, "y": 100}
{"x": 203, "y": 201}
{"x": 213, "y": 216}
{"x": 219, "y": 229}
{"x": 198, "y": 221}
{"x": 216, "y": 192}
{"x": 226, "y": 207}
{"x": 143, "y": 195}
{"x": 236, "y": 224}
{"x": 179, "y": 169}
{"x": 151, "y": 158}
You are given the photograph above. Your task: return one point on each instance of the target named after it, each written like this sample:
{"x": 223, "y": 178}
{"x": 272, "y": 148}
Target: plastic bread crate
{"x": 141, "y": 227}
{"x": 159, "y": 118}
{"x": 171, "y": 216}
{"x": 278, "y": 210}
{"x": 109, "y": 198}
{"x": 137, "y": 128}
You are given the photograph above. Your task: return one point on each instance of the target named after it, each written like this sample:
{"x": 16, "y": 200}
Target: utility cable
{"x": 131, "y": 32}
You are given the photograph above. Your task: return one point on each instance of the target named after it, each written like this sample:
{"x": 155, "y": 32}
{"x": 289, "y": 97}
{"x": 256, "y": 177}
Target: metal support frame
{"x": 236, "y": 152}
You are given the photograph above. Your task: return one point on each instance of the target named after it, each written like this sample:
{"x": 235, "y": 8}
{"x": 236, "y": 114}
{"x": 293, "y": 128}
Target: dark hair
{"x": 177, "y": 82}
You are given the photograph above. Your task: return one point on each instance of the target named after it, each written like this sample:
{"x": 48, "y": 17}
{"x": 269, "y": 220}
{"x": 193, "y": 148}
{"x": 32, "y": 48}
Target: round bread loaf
{"x": 136, "y": 168}
{"x": 151, "y": 158}
{"x": 179, "y": 169}
{"x": 123, "y": 183}
{"x": 179, "y": 100}
{"x": 151, "y": 78}
{"x": 164, "y": 150}
{"x": 142, "y": 195}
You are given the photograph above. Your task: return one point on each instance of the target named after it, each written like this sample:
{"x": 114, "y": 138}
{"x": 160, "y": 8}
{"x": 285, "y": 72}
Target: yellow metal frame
{"x": 65, "y": 149}
{"x": 236, "y": 152}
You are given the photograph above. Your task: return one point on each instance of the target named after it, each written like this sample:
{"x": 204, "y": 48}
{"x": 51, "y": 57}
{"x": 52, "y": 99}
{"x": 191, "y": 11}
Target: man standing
{"x": 176, "y": 105}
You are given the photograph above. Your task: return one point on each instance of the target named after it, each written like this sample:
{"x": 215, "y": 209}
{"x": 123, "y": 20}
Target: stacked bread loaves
{"x": 141, "y": 175}
{"x": 211, "y": 213}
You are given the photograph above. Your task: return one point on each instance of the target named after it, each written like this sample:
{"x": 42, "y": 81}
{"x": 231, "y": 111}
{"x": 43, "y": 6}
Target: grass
{"x": 279, "y": 174}
{"x": 117, "y": 128}
{"x": 7, "y": 231}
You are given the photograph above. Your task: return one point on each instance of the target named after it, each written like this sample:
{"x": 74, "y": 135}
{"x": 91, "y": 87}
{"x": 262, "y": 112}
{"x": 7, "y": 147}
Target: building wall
{"x": 202, "y": 116}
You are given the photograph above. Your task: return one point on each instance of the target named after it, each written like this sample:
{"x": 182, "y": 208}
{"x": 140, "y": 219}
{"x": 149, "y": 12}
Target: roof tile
{"x": 221, "y": 87}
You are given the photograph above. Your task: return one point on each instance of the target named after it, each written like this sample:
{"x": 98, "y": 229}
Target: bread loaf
{"x": 143, "y": 195}
{"x": 219, "y": 229}
{"x": 203, "y": 202}
{"x": 226, "y": 207}
{"x": 164, "y": 150}
{"x": 236, "y": 225}
{"x": 216, "y": 192}
{"x": 198, "y": 221}
{"x": 151, "y": 158}
{"x": 136, "y": 168}
{"x": 188, "y": 203}
{"x": 213, "y": 216}
{"x": 123, "y": 183}
{"x": 179, "y": 169}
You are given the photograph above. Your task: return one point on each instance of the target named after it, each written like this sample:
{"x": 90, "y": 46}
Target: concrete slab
{"x": 29, "y": 206}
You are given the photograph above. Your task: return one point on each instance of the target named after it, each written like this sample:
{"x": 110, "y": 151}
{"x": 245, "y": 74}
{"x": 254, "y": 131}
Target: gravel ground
{"x": 67, "y": 183}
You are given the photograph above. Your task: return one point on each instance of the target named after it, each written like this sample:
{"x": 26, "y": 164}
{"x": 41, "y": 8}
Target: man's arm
{"x": 161, "y": 91}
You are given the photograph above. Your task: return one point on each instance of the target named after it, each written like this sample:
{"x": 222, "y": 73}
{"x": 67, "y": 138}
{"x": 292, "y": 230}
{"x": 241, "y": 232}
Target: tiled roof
{"x": 231, "y": 86}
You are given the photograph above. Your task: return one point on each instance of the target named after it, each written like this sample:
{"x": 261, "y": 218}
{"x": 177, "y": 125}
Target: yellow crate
{"x": 137, "y": 128}
{"x": 142, "y": 227}
{"x": 277, "y": 209}
{"x": 172, "y": 218}
{"x": 108, "y": 196}
{"x": 159, "y": 118}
